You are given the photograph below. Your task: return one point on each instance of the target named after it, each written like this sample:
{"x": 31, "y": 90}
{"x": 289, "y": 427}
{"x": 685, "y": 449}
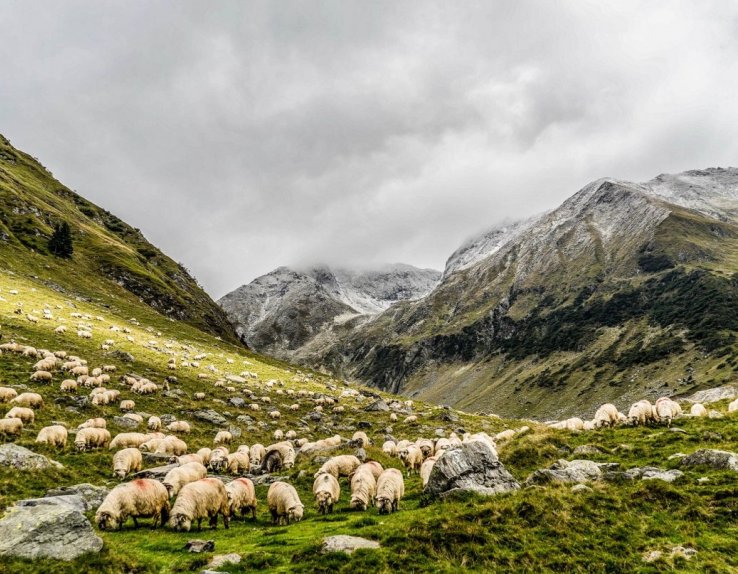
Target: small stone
{"x": 676, "y": 455}
{"x": 197, "y": 546}
{"x": 223, "y": 559}
{"x": 713, "y": 414}
{"x": 683, "y": 552}
{"x": 703, "y": 480}
{"x": 364, "y": 425}
{"x": 677, "y": 429}
{"x": 652, "y": 556}
{"x": 440, "y": 433}
{"x": 581, "y": 488}
{"x": 347, "y": 544}
{"x": 586, "y": 450}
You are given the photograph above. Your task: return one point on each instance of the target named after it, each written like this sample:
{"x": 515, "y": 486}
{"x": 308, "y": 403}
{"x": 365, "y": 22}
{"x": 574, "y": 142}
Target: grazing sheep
{"x": 24, "y": 414}
{"x": 179, "y": 426}
{"x": 425, "y": 469}
{"x": 91, "y": 438}
{"x": 154, "y": 423}
{"x": 390, "y": 490}
{"x": 698, "y": 410}
{"x": 641, "y": 413}
{"x": 98, "y": 422}
{"x": 363, "y": 488}
{"x": 199, "y": 396}
{"x": 204, "y": 498}
{"x": 69, "y": 386}
{"x": 257, "y": 452}
{"x": 294, "y": 407}
{"x": 60, "y": 329}
{"x": 31, "y": 400}
{"x": 185, "y": 458}
{"x": 278, "y": 435}
{"x": 223, "y": 437}
{"x": 274, "y": 414}
{"x": 141, "y": 498}
{"x": 7, "y": 394}
{"x": 606, "y": 416}
{"x": 11, "y": 427}
{"x": 426, "y": 447}
{"x": 55, "y": 435}
{"x": 242, "y": 496}
{"x": 133, "y": 417}
{"x": 238, "y": 462}
{"x": 362, "y": 437}
{"x": 327, "y": 491}
{"x": 441, "y": 445}
{"x": 127, "y": 405}
{"x": 127, "y": 461}
{"x": 666, "y": 410}
{"x": 128, "y": 440}
{"x": 218, "y": 458}
{"x": 172, "y": 445}
{"x": 176, "y": 478}
{"x": 338, "y": 466}
{"x": 412, "y": 458}
{"x": 389, "y": 448}
{"x": 42, "y": 376}
{"x": 290, "y": 435}
{"x": 286, "y": 451}
{"x": 204, "y": 453}
{"x": 284, "y": 503}
{"x": 411, "y": 419}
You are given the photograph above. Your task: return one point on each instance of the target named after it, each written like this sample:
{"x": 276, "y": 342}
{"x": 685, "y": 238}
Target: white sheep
{"x": 363, "y": 488}
{"x": 11, "y": 427}
{"x": 98, "y": 422}
{"x": 42, "y": 376}
{"x": 242, "y": 496}
{"x": 390, "y": 490}
{"x": 7, "y": 394}
{"x": 238, "y": 462}
{"x": 141, "y": 498}
{"x": 154, "y": 423}
{"x": 127, "y": 405}
{"x": 284, "y": 503}
{"x": 666, "y": 410}
{"x": 91, "y": 438}
{"x": 24, "y": 414}
{"x": 426, "y": 468}
{"x": 127, "y": 461}
{"x": 342, "y": 465}
{"x": 327, "y": 492}
{"x": 223, "y": 437}
{"x": 257, "y": 452}
{"x": 31, "y": 400}
{"x": 176, "y": 478}
{"x": 54, "y": 435}
{"x": 412, "y": 458}
{"x": 698, "y": 410}
{"x": 606, "y": 416}
{"x": 204, "y": 498}
{"x": 128, "y": 440}
{"x": 179, "y": 426}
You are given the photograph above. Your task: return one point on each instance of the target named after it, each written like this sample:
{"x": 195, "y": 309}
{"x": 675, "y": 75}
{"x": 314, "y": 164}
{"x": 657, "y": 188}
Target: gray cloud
{"x": 240, "y": 136}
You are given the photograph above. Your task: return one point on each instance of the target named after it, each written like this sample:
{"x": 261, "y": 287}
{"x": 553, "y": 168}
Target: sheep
{"x": 254, "y": 407}
{"x": 127, "y": 461}
{"x": 372, "y": 466}
{"x": 55, "y": 436}
{"x": 242, "y": 496}
{"x": 426, "y": 468}
{"x": 274, "y": 414}
{"x": 154, "y": 423}
{"x": 361, "y": 436}
{"x": 218, "y": 458}
{"x": 11, "y": 427}
{"x": 133, "y": 417}
{"x": 60, "y": 329}
{"x": 176, "y": 478}
{"x": 69, "y": 386}
{"x": 286, "y": 451}
{"x": 127, "y": 405}
{"x": 204, "y": 453}
{"x": 412, "y": 458}
{"x": 411, "y": 419}
{"x": 733, "y": 406}
{"x": 128, "y": 440}
{"x": 257, "y": 452}
{"x": 185, "y": 458}
{"x": 31, "y": 400}
{"x": 606, "y": 416}
{"x": 172, "y": 445}
{"x": 284, "y": 503}
{"x": 363, "y": 488}
{"x": 223, "y": 437}
{"x": 338, "y": 466}
{"x": 24, "y": 414}
{"x": 47, "y": 364}
{"x": 390, "y": 490}
{"x": 426, "y": 447}
{"x": 7, "y": 394}
{"x": 204, "y": 498}
{"x": 290, "y": 435}
{"x": 278, "y": 435}
{"x": 141, "y": 498}
{"x": 91, "y": 438}
{"x": 179, "y": 426}
{"x": 665, "y": 409}
{"x": 389, "y": 448}
{"x": 441, "y": 445}
{"x": 327, "y": 492}
{"x": 698, "y": 410}
{"x": 42, "y": 376}
{"x": 199, "y": 396}
{"x": 151, "y": 445}
{"x": 238, "y": 462}
{"x": 294, "y": 407}
{"x": 640, "y": 413}
{"x": 93, "y": 423}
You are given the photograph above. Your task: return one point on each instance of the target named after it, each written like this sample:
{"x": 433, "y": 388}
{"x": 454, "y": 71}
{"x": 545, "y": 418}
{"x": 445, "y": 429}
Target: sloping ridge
{"x": 108, "y": 253}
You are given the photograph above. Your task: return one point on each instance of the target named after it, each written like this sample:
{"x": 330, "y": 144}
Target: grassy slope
{"x": 534, "y": 530}
{"x": 110, "y": 256}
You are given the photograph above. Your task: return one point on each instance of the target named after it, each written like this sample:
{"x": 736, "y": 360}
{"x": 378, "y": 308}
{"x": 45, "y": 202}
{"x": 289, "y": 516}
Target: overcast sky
{"x": 240, "y": 136}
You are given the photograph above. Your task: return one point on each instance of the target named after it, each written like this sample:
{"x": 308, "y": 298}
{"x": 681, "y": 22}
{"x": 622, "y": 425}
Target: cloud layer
{"x": 240, "y": 136}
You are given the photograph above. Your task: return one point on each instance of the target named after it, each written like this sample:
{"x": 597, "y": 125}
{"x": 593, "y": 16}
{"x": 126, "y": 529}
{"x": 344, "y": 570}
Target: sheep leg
{"x": 226, "y": 521}
{"x": 135, "y": 522}
{"x": 253, "y": 512}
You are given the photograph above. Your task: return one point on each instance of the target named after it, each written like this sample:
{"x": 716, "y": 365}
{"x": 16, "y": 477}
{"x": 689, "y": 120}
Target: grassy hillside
{"x": 538, "y": 529}
{"x": 111, "y": 258}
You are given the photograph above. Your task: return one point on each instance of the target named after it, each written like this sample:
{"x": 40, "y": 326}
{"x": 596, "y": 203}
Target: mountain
{"x": 109, "y": 255}
{"x": 286, "y": 312}
{"x": 626, "y": 289}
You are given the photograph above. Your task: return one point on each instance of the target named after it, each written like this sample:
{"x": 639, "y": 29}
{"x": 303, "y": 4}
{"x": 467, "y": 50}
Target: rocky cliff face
{"x": 624, "y": 289}
{"x": 287, "y": 311}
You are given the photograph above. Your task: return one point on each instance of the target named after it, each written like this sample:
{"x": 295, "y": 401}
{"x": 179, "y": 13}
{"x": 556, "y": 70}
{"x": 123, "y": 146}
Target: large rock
{"x": 377, "y": 406}
{"x": 568, "y": 472}
{"x": 714, "y": 395}
{"x": 56, "y": 531}
{"x": 717, "y": 459}
{"x": 92, "y": 495}
{"x": 210, "y": 416}
{"x": 347, "y": 544}
{"x": 471, "y": 467}
{"x": 20, "y": 458}
{"x": 237, "y": 402}
{"x": 644, "y": 473}
{"x": 126, "y": 423}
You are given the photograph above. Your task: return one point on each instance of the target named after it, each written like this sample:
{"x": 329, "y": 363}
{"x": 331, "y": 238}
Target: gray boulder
{"x": 586, "y": 450}
{"x": 237, "y": 402}
{"x": 20, "y": 458}
{"x": 57, "y": 531}
{"x": 377, "y": 406}
{"x": 347, "y": 544}
{"x": 717, "y": 459}
{"x": 197, "y": 546}
{"x": 644, "y": 473}
{"x": 474, "y": 467}
{"x": 210, "y": 416}
{"x": 92, "y": 495}
{"x": 568, "y": 472}
{"x": 125, "y": 423}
